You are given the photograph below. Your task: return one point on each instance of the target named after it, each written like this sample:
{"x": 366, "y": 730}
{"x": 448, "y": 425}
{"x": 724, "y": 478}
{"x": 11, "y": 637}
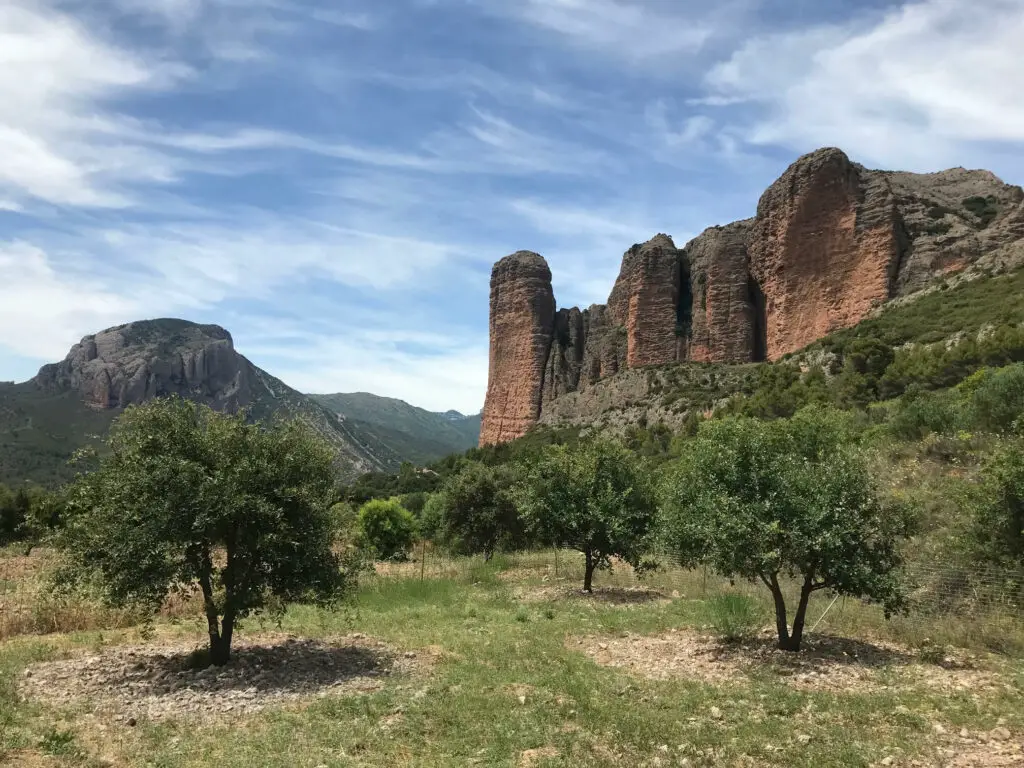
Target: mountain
{"x": 71, "y": 404}
{"x": 413, "y": 433}
{"x": 831, "y": 244}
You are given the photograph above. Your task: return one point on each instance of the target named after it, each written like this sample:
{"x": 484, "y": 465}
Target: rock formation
{"x": 522, "y": 327}
{"x": 831, "y": 241}
{"x": 136, "y": 362}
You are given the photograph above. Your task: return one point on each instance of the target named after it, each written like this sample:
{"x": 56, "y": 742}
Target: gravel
{"x": 155, "y": 681}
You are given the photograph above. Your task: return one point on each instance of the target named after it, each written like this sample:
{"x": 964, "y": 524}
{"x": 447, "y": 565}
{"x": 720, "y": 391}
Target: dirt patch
{"x": 156, "y": 681}
{"x": 531, "y": 758}
{"x": 825, "y": 663}
{"x": 621, "y": 596}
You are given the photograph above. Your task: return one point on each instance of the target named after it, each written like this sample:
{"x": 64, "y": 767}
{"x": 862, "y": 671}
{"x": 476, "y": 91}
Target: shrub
{"x": 386, "y": 528}
{"x": 734, "y": 616}
{"x": 998, "y": 399}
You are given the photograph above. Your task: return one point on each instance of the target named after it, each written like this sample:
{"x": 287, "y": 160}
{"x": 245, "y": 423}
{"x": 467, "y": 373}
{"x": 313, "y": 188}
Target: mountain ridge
{"x": 70, "y": 404}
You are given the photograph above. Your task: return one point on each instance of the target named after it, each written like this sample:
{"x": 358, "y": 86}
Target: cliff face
{"x": 133, "y": 363}
{"x": 136, "y": 362}
{"x": 825, "y": 248}
{"x": 522, "y": 328}
{"x": 831, "y": 241}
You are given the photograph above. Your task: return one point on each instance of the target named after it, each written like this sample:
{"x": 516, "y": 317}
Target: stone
{"x": 716, "y": 713}
{"x": 831, "y": 242}
{"x": 522, "y": 320}
{"x": 803, "y": 739}
{"x": 890, "y": 760}
{"x": 1000, "y": 733}
{"x": 133, "y": 363}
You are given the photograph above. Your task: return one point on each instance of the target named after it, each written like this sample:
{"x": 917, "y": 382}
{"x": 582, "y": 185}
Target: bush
{"x": 921, "y": 414}
{"x": 386, "y": 528}
{"x": 734, "y": 616}
{"x": 998, "y": 399}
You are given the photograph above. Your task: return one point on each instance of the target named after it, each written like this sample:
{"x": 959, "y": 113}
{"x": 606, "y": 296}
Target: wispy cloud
{"x": 916, "y": 86}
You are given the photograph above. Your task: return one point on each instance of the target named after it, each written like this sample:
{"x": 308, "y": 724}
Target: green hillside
{"x": 414, "y": 434}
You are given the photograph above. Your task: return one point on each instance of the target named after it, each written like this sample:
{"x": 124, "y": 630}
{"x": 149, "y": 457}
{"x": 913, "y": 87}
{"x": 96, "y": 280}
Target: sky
{"x": 331, "y": 180}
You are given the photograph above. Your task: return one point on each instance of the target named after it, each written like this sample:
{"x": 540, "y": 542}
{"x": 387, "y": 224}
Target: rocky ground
{"x": 160, "y": 680}
{"x": 830, "y": 664}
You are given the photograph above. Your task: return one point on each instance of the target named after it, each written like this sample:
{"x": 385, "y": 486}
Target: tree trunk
{"x": 801, "y": 611}
{"x": 221, "y": 654}
{"x": 588, "y": 574}
{"x": 212, "y": 620}
{"x": 488, "y": 554}
{"x": 781, "y": 621}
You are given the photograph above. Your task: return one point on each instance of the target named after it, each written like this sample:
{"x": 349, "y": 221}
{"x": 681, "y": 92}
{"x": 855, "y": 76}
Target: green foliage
{"x": 478, "y": 511}
{"x": 597, "y": 499}
{"x": 922, "y": 413}
{"x": 984, "y": 208}
{"x": 998, "y": 525}
{"x": 997, "y": 400}
{"x": 765, "y": 500}
{"x": 386, "y": 528}
{"x": 187, "y": 496}
{"x": 734, "y": 616}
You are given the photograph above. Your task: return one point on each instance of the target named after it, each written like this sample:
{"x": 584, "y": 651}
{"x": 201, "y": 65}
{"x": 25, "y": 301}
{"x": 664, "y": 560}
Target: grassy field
{"x": 509, "y": 666}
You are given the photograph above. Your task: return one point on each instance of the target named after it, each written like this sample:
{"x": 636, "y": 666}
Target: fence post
{"x": 704, "y": 584}
{"x": 556, "y": 563}
{"x": 423, "y": 558}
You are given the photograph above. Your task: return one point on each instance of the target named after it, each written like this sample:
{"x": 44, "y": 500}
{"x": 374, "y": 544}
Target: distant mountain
{"x": 417, "y": 435}
{"x": 71, "y": 404}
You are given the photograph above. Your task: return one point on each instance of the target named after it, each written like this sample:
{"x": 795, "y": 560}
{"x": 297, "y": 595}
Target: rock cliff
{"x": 830, "y": 243}
{"x": 136, "y": 362}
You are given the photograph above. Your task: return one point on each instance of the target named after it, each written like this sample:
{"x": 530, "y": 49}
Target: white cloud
{"x": 631, "y": 29}
{"x": 914, "y": 87}
{"x": 44, "y": 306}
{"x": 55, "y": 78}
{"x": 453, "y": 375}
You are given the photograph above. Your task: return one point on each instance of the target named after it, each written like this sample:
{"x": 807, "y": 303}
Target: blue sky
{"x": 331, "y": 181}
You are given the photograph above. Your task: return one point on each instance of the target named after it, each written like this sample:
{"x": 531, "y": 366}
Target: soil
{"x": 158, "y": 680}
{"x": 824, "y": 663}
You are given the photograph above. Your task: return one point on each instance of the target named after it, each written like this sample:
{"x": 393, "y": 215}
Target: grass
{"x": 507, "y": 682}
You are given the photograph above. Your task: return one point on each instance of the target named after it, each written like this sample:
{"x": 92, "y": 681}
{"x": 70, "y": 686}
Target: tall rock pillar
{"x": 522, "y": 329}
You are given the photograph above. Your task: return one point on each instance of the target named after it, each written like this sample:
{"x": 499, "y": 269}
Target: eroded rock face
{"x": 646, "y": 301}
{"x": 831, "y": 242}
{"x": 727, "y": 322}
{"x": 825, "y": 249}
{"x": 522, "y": 327}
{"x": 132, "y": 363}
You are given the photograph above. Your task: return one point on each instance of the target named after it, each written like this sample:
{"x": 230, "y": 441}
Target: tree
{"x": 191, "y": 497}
{"x": 478, "y": 510}
{"x": 596, "y": 498}
{"x": 790, "y": 498}
{"x": 998, "y": 524}
{"x": 387, "y": 528}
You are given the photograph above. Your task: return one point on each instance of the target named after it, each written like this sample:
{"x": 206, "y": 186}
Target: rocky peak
{"x": 521, "y": 329}
{"x": 830, "y": 243}
{"x": 135, "y": 362}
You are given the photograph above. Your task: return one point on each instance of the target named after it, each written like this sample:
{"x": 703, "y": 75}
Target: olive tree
{"x": 767, "y": 501}
{"x": 478, "y": 510}
{"x": 596, "y": 498}
{"x": 187, "y": 497}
